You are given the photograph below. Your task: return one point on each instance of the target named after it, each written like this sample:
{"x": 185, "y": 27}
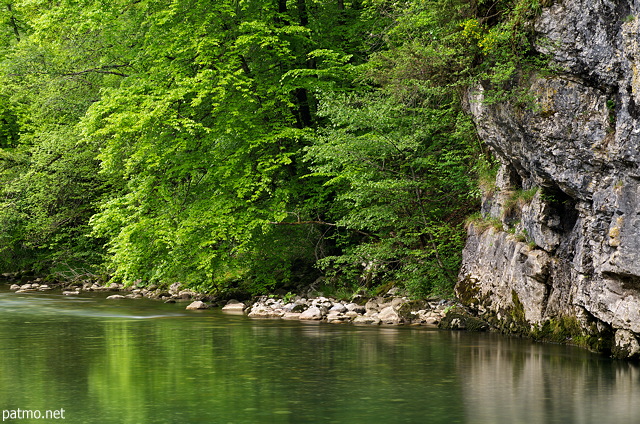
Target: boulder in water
{"x": 198, "y": 304}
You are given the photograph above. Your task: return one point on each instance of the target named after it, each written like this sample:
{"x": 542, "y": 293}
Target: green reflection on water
{"x": 146, "y": 362}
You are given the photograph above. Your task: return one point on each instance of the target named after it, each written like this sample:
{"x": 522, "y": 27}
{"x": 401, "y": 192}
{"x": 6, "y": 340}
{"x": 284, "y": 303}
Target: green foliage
{"x": 500, "y": 34}
{"x": 402, "y": 186}
{"x": 209, "y": 161}
{"x": 49, "y": 175}
{"x": 248, "y": 145}
{"x": 401, "y": 156}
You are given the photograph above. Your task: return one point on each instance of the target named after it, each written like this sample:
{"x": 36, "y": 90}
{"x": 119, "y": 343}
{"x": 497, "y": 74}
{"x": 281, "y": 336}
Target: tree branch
{"x": 304, "y": 223}
{"x": 330, "y": 224}
{"x": 99, "y": 70}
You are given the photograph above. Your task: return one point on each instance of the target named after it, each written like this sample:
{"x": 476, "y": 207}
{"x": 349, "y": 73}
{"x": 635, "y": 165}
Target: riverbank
{"x": 389, "y": 309}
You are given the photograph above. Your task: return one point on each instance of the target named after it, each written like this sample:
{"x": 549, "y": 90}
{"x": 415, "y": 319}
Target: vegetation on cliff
{"x": 246, "y": 145}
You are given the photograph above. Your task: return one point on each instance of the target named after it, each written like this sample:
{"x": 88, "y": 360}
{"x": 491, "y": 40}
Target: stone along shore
{"x": 389, "y": 309}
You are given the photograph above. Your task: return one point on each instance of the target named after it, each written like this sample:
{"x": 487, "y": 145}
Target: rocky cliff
{"x": 557, "y": 252}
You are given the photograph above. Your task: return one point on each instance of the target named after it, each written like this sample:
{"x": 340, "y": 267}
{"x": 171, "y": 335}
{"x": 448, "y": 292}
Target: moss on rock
{"x": 405, "y": 310}
{"x": 460, "y": 319}
{"x": 467, "y": 290}
{"x": 568, "y": 330}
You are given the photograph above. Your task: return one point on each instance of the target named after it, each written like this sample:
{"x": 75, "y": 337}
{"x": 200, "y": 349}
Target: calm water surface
{"x": 139, "y": 361}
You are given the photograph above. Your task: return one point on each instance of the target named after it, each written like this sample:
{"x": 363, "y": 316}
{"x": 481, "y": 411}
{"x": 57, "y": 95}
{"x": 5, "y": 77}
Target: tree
{"x": 403, "y": 187}
{"x": 206, "y": 139}
{"x": 55, "y": 61}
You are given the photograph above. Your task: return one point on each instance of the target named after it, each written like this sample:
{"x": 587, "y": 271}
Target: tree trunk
{"x": 14, "y": 24}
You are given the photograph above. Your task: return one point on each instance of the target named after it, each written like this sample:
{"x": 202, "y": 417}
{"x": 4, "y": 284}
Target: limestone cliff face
{"x": 566, "y": 260}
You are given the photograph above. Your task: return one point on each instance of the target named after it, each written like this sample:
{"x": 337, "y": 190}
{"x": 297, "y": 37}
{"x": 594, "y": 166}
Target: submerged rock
{"x": 115, "y": 297}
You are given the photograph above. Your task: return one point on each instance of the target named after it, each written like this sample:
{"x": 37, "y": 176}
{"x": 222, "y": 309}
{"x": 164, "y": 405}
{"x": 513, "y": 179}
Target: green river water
{"x": 141, "y": 361}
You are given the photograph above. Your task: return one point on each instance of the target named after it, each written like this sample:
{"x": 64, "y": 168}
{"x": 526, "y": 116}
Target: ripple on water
{"x": 49, "y": 305}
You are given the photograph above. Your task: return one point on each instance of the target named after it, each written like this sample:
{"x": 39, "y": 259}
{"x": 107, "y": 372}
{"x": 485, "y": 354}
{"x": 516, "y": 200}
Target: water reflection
{"x": 143, "y": 362}
{"x": 512, "y": 382}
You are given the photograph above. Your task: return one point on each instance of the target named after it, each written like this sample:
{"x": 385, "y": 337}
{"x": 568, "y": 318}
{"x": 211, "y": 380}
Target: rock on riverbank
{"x": 380, "y": 310}
{"x": 175, "y": 293}
{"x": 376, "y": 310}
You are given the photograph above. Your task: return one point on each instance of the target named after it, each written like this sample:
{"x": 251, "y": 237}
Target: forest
{"x": 249, "y": 145}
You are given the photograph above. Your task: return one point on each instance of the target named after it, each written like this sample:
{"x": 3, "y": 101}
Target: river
{"x": 142, "y": 361}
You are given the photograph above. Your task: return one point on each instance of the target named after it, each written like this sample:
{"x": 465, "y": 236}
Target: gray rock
{"x": 431, "y": 322}
{"x": 360, "y": 299}
{"x": 260, "y": 310}
{"x": 364, "y": 319}
{"x": 338, "y": 307}
{"x": 358, "y": 309}
{"x": 313, "y": 313}
{"x": 301, "y": 307}
{"x": 198, "y": 304}
{"x": 322, "y": 302}
{"x": 373, "y": 305}
{"x": 335, "y": 317}
{"x": 389, "y": 316}
{"x": 397, "y": 302}
{"x": 291, "y": 315}
{"x": 393, "y": 291}
{"x": 626, "y": 345}
{"x": 186, "y": 294}
{"x": 115, "y": 297}
{"x": 351, "y": 314}
{"x": 289, "y": 307}
{"x": 234, "y": 306}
